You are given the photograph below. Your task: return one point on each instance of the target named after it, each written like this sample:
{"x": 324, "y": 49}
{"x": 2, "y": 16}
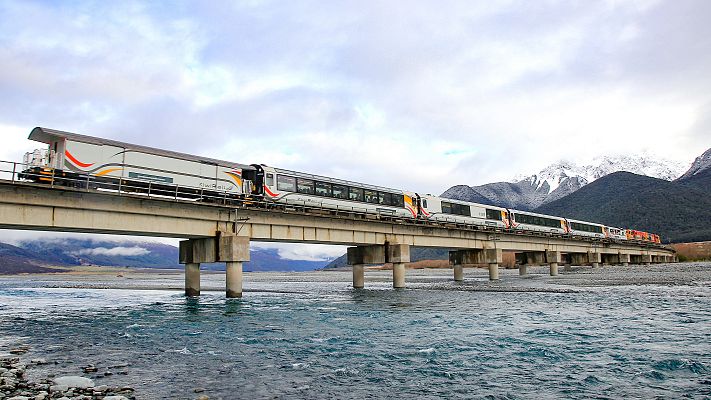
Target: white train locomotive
{"x": 78, "y": 160}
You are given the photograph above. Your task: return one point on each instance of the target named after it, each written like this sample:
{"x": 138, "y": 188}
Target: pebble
{"x": 73, "y": 381}
{"x": 14, "y": 385}
{"x": 203, "y": 397}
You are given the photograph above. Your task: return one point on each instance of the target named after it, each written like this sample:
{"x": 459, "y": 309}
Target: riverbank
{"x": 537, "y": 278}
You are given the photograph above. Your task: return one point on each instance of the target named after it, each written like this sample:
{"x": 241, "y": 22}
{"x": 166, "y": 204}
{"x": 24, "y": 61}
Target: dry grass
{"x": 697, "y": 251}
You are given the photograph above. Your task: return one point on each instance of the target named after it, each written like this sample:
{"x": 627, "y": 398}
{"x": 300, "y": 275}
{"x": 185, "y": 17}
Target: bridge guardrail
{"x": 16, "y": 172}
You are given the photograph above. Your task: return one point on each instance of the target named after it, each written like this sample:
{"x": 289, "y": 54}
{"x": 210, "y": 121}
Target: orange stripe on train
{"x": 108, "y": 171}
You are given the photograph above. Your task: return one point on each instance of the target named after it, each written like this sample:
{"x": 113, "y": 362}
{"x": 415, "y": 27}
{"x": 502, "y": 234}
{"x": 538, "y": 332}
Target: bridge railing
{"x": 20, "y": 172}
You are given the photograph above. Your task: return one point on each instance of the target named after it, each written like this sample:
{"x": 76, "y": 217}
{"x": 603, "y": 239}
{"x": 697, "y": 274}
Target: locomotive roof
{"x": 45, "y": 135}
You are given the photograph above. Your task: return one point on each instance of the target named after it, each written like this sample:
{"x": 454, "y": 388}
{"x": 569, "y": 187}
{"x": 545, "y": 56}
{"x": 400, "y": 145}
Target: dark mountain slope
{"x": 678, "y": 212}
{"x": 700, "y": 181}
{"x": 14, "y": 260}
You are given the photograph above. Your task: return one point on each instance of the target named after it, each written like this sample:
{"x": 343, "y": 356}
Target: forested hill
{"x": 679, "y": 211}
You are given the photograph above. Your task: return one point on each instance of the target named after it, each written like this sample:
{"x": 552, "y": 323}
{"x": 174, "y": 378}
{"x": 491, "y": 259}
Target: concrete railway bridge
{"x": 222, "y": 233}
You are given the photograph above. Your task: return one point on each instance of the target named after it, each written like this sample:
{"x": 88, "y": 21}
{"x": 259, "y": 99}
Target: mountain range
{"x": 679, "y": 211}
{"x": 628, "y": 192}
{"x": 561, "y": 179}
{"x": 40, "y": 255}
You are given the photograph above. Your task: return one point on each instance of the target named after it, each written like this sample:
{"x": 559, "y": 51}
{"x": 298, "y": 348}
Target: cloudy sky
{"x": 419, "y": 95}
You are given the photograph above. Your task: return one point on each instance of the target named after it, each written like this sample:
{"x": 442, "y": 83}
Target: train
{"x": 75, "y": 160}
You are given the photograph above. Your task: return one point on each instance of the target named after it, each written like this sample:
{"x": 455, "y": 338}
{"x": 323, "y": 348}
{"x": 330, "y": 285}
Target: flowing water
{"x": 294, "y": 337}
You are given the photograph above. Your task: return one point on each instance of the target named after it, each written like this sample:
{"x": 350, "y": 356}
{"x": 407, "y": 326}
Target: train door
{"x": 56, "y": 153}
{"x": 418, "y": 205}
{"x": 258, "y": 188}
{"x": 508, "y": 219}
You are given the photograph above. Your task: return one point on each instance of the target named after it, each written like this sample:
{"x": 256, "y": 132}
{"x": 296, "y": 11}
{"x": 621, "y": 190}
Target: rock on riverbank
{"x": 15, "y": 386}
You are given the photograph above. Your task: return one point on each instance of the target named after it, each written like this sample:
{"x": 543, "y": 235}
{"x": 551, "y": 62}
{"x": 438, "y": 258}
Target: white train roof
{"x": 336, "y": 180}
{"x": 45, "y": 135}
{"x": 464, "y": 202}
{"x": 534, "y": 214}
{"x": 584, "y": 222}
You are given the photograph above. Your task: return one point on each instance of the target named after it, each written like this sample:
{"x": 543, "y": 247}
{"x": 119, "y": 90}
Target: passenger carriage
{"x": 615, "y": 233}
{"x": 307, "y": 190}
{"x": 447, "y": 210}
{"x": 528, "y": 221}
{"x": 582, "y": 228}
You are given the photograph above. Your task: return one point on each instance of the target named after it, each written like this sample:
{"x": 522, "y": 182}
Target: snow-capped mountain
{"x": 562, "y": 178}
{"x": 702, "y": 162}
{"x": 556, "y": 174}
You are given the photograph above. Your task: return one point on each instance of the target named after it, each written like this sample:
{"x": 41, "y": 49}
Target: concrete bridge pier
{"x": 192, "y": 279}
{"x": 522, "y": 269}
{"x": 359, "y": 256}
{"x": 594, "y": 258}
{"x": 532, "y": 258}
{"x": 233, "y": 250}
{"x": 624, "y": 259}
{"x": 553, "y": 258}
{"x": 192, "y": 253}
{"x": 458, "y": 272}
{"x": 358, "y": 276}
{"x": 578, "y": 258}
{"x": 610, "y": 259}
{"x": 230, "y": 249}
{"x": 491, "y": 257}
{"x": 646, "y": 259}
{"x": 398, "y": 255}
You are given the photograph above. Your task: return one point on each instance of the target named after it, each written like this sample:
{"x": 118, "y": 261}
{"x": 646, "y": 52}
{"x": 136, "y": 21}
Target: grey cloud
{"x": 434, "y": 70}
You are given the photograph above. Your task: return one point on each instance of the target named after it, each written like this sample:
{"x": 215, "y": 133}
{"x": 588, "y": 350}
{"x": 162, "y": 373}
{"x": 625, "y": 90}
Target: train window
{"x": 398, "y": 200}
{"x": 305, "y": 186}
{"x": 585, "y": 227}
{"x": 323, "y": 189}
{"x": 270, "y": 180}
{"x": 340, "y": 191}
{"x": 446, "y": 207}
{"x": 493, "y": 214}
{"x": 424, "y": 203}
{"x": 371, "y": 196}
{"x": 355, "y": 194}
{"x": 286, "y": 183}
{"x": 385, "y": 198}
